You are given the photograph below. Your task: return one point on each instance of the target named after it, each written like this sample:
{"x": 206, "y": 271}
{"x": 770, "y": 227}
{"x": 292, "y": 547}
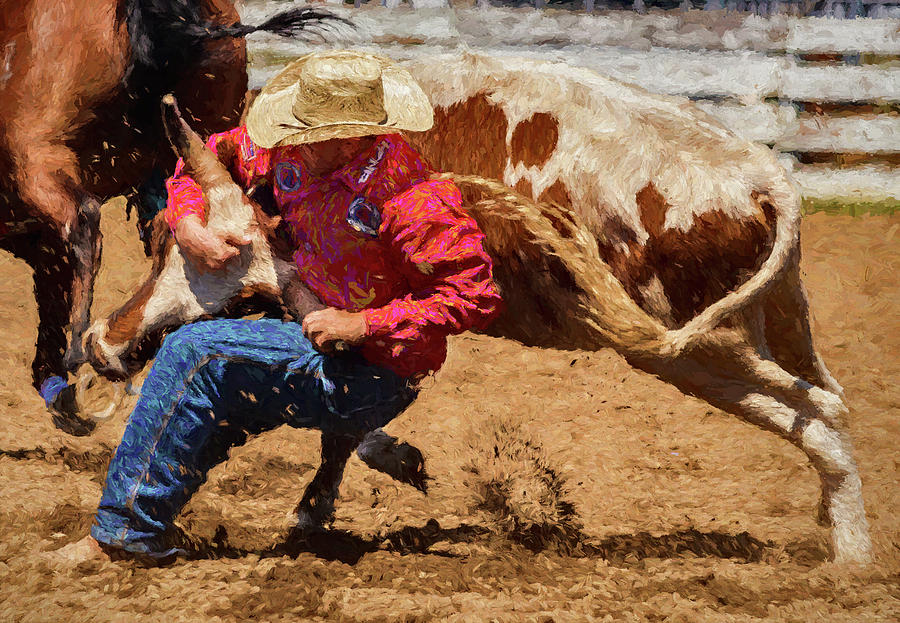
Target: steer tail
{"x": 786, "y": 202}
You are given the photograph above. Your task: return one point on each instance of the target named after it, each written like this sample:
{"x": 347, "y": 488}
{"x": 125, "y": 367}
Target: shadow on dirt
{"x": 567, "y": 539}
{"x": 625, "y": 549}
{"x": 89, "y": 460}
{"x": 341, "y": 545}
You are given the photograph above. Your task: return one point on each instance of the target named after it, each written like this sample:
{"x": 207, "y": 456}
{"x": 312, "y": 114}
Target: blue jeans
{"x": 212, "y": 384}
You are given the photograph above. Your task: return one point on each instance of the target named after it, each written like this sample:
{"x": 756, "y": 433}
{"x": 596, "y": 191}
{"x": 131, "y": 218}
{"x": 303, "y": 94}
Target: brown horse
{"x": 80, "y": 84}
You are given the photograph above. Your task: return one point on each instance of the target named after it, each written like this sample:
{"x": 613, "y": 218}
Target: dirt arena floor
{"x": 567, "y": 487}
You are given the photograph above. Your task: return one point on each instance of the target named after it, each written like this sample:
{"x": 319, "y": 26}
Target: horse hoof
{"x": 51, "y": 388}
{"x": 74, "y": 357}
{"x": 64, "y": 412}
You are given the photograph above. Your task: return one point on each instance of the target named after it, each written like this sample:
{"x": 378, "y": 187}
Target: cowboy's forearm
{"x": 184, "y": 199}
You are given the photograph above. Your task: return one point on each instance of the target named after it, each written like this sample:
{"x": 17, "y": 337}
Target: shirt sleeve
{"x": 246, "y": 162}
{"x": 439, "y": 250}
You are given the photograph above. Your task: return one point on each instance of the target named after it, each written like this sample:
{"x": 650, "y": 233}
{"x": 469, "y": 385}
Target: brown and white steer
{"x": 649, "y": 229}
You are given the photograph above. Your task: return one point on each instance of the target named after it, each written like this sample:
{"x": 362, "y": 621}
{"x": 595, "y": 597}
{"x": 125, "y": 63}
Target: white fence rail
{"x": 840, "y": 9}
{"x": 763, "y": 77}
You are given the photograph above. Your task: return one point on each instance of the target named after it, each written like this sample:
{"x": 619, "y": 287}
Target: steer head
{"x": 178, "y": 292}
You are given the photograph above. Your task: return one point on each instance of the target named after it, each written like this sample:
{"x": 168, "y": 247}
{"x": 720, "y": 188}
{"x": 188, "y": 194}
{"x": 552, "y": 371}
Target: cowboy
{"x": 387, "y": 249}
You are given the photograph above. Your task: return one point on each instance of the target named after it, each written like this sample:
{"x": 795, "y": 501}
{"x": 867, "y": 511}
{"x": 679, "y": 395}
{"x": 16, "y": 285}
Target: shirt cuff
{"x": 376, "y": 320}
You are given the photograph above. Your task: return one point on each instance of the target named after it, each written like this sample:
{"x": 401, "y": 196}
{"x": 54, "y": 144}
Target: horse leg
{"x": 316, "y": 508}
{"x": 46, "y": 174}
{"x": 86, "y": 244}
{"x": 53, "y": 276}
{"x": 738, "y": 380}
{"x": 52, "y": 286}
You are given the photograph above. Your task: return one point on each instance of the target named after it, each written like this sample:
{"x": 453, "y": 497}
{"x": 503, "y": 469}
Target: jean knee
{"x": 182, "y": 342}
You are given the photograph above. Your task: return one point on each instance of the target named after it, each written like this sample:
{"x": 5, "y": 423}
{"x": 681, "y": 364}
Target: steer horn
{"x": 204, "y": 166}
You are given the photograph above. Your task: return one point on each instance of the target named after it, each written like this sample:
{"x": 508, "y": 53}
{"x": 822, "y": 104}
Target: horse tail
{"x": 166, "y": 32}
{"x": 290, "y": 23}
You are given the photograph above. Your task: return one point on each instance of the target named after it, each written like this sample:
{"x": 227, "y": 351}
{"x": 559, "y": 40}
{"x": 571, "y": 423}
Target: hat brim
{"x": 296, "y": 136}
{"x": 271, "y": 121}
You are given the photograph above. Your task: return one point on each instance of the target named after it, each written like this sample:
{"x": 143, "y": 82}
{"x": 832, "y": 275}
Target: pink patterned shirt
{"x": 376, "y": 235}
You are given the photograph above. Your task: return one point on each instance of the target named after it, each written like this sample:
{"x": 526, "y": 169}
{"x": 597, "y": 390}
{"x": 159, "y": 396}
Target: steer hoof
{"x": 401, "y": 461}
{"x": 414, "y": 466}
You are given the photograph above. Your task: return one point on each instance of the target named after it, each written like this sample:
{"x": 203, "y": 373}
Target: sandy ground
{"x": 566, "y": 487}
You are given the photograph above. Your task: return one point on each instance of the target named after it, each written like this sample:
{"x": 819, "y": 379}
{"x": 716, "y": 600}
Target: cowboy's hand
{"x": 206, "y": 250}
{"x": 327, "y": 327}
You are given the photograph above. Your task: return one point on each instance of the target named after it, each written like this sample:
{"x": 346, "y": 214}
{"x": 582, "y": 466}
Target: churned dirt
{"x": 566, "y": 486}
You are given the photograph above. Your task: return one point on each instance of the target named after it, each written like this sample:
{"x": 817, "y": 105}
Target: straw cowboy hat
{"x": 337, "y": 94}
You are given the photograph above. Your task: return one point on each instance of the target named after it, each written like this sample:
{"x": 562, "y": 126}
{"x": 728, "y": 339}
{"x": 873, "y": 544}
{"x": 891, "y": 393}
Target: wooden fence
{"x": 824, "y": 93}
{"x": 840, "y": 9}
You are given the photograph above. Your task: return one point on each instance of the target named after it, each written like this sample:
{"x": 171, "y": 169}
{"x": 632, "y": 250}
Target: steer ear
{"x": 205, "y": 168}
{"x": 266, "y": 222}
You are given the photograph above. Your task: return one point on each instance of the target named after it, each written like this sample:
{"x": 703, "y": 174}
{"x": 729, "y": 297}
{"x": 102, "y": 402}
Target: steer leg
{"x": 316, "y": 508}
{"x": 738, "y": 380}
{"x": 821, "y": 432}
{"x": 789, "y": 333}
